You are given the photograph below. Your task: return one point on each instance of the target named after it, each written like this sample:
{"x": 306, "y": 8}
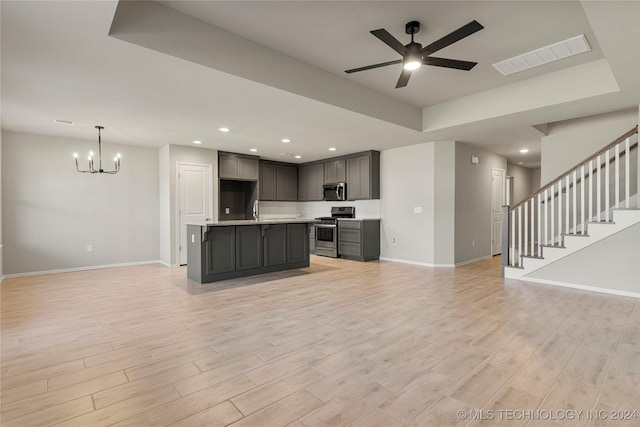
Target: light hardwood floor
{"x": 340, "y": 343}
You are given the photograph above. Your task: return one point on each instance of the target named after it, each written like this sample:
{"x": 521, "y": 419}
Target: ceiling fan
{"x": 414, "y": 55}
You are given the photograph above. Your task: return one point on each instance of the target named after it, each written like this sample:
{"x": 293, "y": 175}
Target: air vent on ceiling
{"x": 63, "y": 122}
{"x": 543, "y": 55}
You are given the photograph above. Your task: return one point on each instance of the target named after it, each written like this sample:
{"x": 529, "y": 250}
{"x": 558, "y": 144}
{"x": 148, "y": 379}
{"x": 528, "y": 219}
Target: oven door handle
{"x": 325, "y": 226}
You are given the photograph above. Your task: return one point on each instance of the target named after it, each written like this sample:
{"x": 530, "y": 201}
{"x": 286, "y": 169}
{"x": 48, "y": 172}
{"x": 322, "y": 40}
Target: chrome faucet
{"x": 255, "y": 209}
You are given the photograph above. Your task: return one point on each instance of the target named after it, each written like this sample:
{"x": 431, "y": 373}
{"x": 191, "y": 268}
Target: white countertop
{"x": 358, "y": 219}
{"x": 252, "y": 222}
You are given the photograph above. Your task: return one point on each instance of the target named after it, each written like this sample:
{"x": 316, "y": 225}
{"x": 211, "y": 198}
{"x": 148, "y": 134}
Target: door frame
{"x": 177, "y": 201}
{"x": 504, "y": 183}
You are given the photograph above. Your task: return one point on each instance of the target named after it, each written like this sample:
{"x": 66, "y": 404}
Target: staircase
{"x": 594, "y": 200}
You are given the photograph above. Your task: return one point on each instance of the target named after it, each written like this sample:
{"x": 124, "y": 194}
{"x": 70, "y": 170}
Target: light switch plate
{"x": 417, "y": 209}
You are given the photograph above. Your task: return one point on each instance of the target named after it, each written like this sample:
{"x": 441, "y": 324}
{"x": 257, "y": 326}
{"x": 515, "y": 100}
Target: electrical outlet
{"x": 226, "y": 211}
{"x": 393, "y": 241}
{"x": 89, "y": 248}
{"x": 417, "y": 209}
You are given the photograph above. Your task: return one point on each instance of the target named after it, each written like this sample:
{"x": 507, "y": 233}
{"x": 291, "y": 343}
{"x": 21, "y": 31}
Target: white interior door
{"x": 194, "y": 189}
{"x": 497, "y": 200}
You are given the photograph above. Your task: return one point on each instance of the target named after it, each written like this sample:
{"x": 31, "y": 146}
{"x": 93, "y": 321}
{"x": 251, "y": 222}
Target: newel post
{"x": 505, "y": 237}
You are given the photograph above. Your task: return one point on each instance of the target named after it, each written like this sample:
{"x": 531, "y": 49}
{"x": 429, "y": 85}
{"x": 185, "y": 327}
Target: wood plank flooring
{"x": 340, "y": 343}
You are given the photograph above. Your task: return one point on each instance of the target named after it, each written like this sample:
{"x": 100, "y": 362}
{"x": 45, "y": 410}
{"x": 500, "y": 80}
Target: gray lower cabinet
{"x": 359, "y": 240}
{"x": 275, "y": 244}
{"x": 217, "y": 256}
{"x": 335, "y": 171}
{"x": 219, "y": 252}
{"x": 248, "y": 247}
{"x": 297, "y": 246}
{"x": 312, "y": 239}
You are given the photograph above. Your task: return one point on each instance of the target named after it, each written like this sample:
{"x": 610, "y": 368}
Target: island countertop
{"x": 254, "y": 222}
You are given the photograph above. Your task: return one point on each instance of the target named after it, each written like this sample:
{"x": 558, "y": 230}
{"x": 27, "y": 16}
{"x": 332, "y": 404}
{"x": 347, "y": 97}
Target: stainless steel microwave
{"x": 335, "y": 191}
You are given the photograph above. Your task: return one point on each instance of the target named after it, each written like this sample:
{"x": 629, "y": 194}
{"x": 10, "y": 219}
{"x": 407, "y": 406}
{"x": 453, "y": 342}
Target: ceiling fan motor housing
{"x": 412, "y": 27}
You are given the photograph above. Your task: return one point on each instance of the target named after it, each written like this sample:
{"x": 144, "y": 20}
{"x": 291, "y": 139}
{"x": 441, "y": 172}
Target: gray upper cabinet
{"x": 267, "y": 181}
{"x": 334, "y": 171}
{"x": 286, "y": 182}
{"x": 235, "y": 166}
{"x": 310, "y": 181}
{"x": 363, "y": 177}
{"x": 278, "y": 182}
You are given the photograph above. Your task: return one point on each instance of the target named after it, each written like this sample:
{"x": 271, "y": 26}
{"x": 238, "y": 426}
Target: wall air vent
{"x": 63, "y": 122}
{"x": 543, "y": 55}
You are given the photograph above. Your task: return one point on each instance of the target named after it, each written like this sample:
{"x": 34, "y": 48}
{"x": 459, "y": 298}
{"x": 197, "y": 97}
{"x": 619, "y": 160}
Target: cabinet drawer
{"x": 349, "y": 235}
{"x": 350, "y": 224}
{"x": 349, "y": 249}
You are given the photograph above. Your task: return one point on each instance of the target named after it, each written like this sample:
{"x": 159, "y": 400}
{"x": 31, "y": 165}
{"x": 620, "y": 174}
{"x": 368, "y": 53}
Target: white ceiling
{"x": 58, "y": 61}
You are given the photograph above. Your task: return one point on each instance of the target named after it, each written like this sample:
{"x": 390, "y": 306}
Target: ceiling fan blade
{"x": 369, "y": 67}
{"x": 404, "y": 78}
{"x": 449, "y": 63}
{"x": 459, "y": 34}
{"x": 390, "y": 41}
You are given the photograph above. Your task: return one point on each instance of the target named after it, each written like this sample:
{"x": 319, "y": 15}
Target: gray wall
{"x": 407, "y": 181}
{"x": 522, "y": 182}
{"x": 51, "y": 212}
{"x": 620, "y": 272}
{"x": 179, "y": 153}
{"x": 473, "y": 202}
{"x": 571, "y": 141}
{"x": 535, "y": 180}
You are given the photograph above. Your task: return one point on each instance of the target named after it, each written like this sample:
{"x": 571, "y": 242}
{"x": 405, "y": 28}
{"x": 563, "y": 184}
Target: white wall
{"x": 1, "y": 267}
{"x": 51, "y": 212}
{"x": 444, "y": 203}
{"x": 571, "y": 141}
{"x": 164, "y": 203}
{"x": 194, "y": 155}
{"x": 522, "y": 182}
{"x": 620, "y": 271}
{"x": 407, "y": 181}
{"x": 473, "y": 202}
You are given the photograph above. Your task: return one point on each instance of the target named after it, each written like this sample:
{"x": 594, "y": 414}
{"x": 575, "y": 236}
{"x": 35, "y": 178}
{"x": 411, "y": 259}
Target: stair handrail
{"x": 603, "y": 150}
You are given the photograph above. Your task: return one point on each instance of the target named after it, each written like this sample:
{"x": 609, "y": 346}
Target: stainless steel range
{"x": 327, "y": 230}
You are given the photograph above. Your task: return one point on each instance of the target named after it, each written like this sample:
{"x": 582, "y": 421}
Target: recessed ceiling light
{"x": 544, "y": 55}
{"x": 63, "y": 122}
{"x": 224, "y": 129}
{"x": 332, "y": 149}
{"x": 286, "y": 140}
{"x": 197, "y": 142}
{"x": 298, "y": 157}
{"x": 524, "y": 150}
{"x": 253, "y": 150}
{"x": 521, "y": 163}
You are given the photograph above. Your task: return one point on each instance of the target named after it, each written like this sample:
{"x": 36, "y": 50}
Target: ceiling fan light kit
{"x": 414, "y": 55}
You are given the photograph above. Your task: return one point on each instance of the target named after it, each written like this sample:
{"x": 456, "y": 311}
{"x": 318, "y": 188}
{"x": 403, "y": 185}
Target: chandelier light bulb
{"x": 118, "y": 155}
{"x": 75, "y": 155}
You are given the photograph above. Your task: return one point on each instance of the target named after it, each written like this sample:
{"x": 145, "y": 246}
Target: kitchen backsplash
{"x": 281, "y": 210}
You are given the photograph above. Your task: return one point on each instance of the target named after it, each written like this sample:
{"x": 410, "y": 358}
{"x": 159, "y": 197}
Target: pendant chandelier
{"x": 92, "y": 169}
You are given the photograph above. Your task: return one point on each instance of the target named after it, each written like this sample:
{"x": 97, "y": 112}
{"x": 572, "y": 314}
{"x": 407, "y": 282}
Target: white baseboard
{"x": 91, "y": 267}
{"x": 424, "y": 264}
{"x": 581, "y": 287}
{"x": 458, "y": 264}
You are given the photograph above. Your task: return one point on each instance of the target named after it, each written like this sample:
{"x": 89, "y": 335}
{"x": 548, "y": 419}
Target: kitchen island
{"x": 229, "y": 249}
